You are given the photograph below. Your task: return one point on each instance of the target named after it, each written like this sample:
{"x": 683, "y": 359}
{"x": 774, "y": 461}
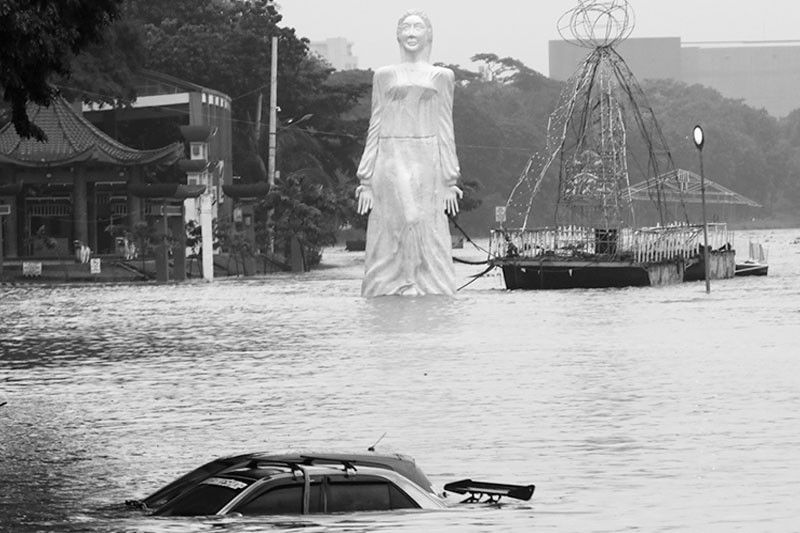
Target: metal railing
{"x": 642, "y": 245}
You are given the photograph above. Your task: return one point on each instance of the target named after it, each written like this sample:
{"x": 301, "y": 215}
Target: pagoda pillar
{"x": 12, "y": 229}
{"x": 134, "y": 203}
{"x": 80, "y": 216}
{"x": 178, "y": 231}
{"x": 12, "y": 225}
{"x": 92, "y": 209}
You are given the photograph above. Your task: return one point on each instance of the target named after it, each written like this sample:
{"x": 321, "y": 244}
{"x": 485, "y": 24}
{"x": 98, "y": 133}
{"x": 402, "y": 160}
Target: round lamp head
{"x": 699, "y": 139}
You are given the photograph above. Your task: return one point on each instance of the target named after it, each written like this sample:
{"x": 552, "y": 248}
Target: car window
{"x": 201, "y": 500}
{"x": 283, "y": 499}
{"x": 186, "y": 481}
{"x": 344, "y": 496}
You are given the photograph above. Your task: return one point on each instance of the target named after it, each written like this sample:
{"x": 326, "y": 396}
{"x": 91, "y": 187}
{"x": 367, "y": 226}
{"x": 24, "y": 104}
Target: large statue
{"x": 409, "y": 170}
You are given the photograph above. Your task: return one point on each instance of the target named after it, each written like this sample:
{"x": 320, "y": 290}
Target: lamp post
{"x": 699, "y": 140}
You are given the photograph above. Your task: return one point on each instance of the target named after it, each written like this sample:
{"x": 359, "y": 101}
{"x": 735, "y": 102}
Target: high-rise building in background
{"x": 337, "y": 51}
{"x": 765, "y": 74}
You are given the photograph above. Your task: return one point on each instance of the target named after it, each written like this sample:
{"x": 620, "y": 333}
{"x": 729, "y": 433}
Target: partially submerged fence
{"x": 642, "y": 245}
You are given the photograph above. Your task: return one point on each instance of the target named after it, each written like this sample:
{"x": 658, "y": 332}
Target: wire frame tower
{"x": 601, "y": 133}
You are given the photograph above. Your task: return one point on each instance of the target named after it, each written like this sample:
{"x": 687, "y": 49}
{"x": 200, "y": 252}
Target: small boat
{"x": 751, "y": 268}
{"x": 755, "y": 264}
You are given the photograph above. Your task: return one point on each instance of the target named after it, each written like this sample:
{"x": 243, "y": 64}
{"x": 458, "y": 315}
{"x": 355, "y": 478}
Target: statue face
{"x": 413, "y": 34}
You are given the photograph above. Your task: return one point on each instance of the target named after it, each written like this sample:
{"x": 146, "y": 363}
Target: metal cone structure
{"x": 602, "y": 131}
{"x": 602, "y": 136}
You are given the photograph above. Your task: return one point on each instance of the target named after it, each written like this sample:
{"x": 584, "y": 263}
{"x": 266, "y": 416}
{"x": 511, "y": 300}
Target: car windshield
{"x": 207, "y": 498}
{"x": 165, "y": 494}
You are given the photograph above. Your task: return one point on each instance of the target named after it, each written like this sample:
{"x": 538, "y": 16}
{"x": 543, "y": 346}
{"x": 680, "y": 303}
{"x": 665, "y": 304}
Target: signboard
{"x": 171, "y": 210}
{"x": 94, "y": 265}
{"x": 31, "y": 269}
{"x": 500, "y": 214}
{"x": 237, "y": 214}
{"x": 5, "y": 209}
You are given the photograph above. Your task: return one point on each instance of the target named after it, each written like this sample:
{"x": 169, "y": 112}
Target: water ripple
{"x": 650, "y": 409}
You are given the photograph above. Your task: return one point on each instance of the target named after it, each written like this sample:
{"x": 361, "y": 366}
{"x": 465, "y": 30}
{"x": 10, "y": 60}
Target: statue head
{"x": 415, "y": 35}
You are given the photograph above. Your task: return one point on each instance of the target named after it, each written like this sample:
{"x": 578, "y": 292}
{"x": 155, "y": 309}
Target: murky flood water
{"x": 652, "y": 409}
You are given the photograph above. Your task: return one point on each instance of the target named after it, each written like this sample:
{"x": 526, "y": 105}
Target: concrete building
{"x": 765, "y": 74}
{"x": 337, "y": 51}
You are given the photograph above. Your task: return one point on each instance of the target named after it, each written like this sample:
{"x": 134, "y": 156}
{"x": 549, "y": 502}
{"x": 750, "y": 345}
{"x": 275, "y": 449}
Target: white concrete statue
{"x": 409, "y": 170}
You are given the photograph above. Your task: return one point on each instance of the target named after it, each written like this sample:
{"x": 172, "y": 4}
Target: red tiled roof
{"x": 70, "y": 139}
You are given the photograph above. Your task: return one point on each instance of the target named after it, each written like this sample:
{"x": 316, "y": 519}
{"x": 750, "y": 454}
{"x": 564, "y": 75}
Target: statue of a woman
{"x": 409, "y": 170}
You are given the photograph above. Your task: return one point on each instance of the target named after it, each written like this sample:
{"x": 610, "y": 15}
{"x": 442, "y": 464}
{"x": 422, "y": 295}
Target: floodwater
{"x": 650, "y": 409}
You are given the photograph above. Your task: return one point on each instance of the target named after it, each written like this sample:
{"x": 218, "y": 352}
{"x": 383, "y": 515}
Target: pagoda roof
{"x": 73, "y": 139}
{"x": 685, "y": 186}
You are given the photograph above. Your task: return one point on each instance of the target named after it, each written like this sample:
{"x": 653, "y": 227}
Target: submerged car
{"x": 305, "y": 483}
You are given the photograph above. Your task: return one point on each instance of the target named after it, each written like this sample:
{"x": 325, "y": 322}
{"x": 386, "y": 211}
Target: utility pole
{"x": 273, "y": 111}
{"x": 258, "y": 118}
{"x": 273, "y": 119}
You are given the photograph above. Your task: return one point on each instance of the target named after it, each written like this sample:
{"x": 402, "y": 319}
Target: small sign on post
{"x": 171, "y": 210}
{"x": 31, "y": 269}
{"x": 500, "y": 214}
{"x": 94, "y": 265}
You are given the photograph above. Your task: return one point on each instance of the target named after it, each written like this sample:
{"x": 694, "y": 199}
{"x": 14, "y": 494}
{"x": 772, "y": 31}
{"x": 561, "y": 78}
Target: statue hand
{"x": 364, "y": 195}
{"x": 451, "y": 197}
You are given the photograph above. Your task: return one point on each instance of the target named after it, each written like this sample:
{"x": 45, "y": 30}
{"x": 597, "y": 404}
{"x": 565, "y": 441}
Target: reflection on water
{"x": 652, "y": 408}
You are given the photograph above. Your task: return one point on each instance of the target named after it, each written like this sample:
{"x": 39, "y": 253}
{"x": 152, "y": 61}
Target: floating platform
{"x": 551, "y": 273}
{"x": 592, "y": 258}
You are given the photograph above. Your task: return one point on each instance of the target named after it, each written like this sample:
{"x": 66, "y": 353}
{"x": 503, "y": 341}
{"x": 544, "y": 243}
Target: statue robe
{"x": 409, "y": 162}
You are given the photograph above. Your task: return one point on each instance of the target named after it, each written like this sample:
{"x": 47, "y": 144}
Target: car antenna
{"x": 372, "y": 448}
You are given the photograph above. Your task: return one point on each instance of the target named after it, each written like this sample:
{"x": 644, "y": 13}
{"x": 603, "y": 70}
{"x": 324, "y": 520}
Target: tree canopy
{"x": 39, "y": 39}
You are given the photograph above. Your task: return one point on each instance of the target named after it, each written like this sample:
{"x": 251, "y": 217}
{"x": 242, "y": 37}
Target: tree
{"x": 39, "y": 39}
{"x": 104, "y": 72}
{"x": 500, "y": 119}
{"x": 304, "y": 209}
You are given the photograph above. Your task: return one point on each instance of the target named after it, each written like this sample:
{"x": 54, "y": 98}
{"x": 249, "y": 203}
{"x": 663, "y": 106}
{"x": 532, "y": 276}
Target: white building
{"x": 765, "y": 74}
{"x": 337, "y": 51}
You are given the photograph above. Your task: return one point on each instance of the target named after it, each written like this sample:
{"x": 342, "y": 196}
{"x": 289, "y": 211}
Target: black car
{"x": 287, "y": 484}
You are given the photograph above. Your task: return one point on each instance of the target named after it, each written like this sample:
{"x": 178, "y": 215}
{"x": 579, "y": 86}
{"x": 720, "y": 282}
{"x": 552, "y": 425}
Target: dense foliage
{"x": 746, "y": 149}
{"x": 227, "y": 46}
{"x": 500, "y": 118}
{"x": 39, "y": 39}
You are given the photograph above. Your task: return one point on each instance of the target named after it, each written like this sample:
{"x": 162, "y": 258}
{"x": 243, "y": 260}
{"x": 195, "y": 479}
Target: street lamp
{"x": 699, "y": 140}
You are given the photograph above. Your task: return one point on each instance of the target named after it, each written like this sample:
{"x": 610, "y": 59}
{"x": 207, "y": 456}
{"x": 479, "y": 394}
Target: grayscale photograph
{"x": 390, "y": 266}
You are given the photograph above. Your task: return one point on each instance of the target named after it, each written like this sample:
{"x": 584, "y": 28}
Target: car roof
{"x": 238, "y": 464}
{"x": 401, "y": 464}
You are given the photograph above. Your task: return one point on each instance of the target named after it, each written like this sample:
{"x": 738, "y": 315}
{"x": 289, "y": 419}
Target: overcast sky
{"x": 522, "y": 28}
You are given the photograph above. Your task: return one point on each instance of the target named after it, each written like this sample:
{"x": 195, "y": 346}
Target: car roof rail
{"x": 348, "y": 464}
{"x": 294, "y": 466}
{"x": 493, "y": 491}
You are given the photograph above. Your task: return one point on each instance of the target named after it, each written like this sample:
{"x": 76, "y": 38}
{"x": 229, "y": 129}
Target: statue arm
{"x": 447, "y": 142}
{"x": 367, "y": 165}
